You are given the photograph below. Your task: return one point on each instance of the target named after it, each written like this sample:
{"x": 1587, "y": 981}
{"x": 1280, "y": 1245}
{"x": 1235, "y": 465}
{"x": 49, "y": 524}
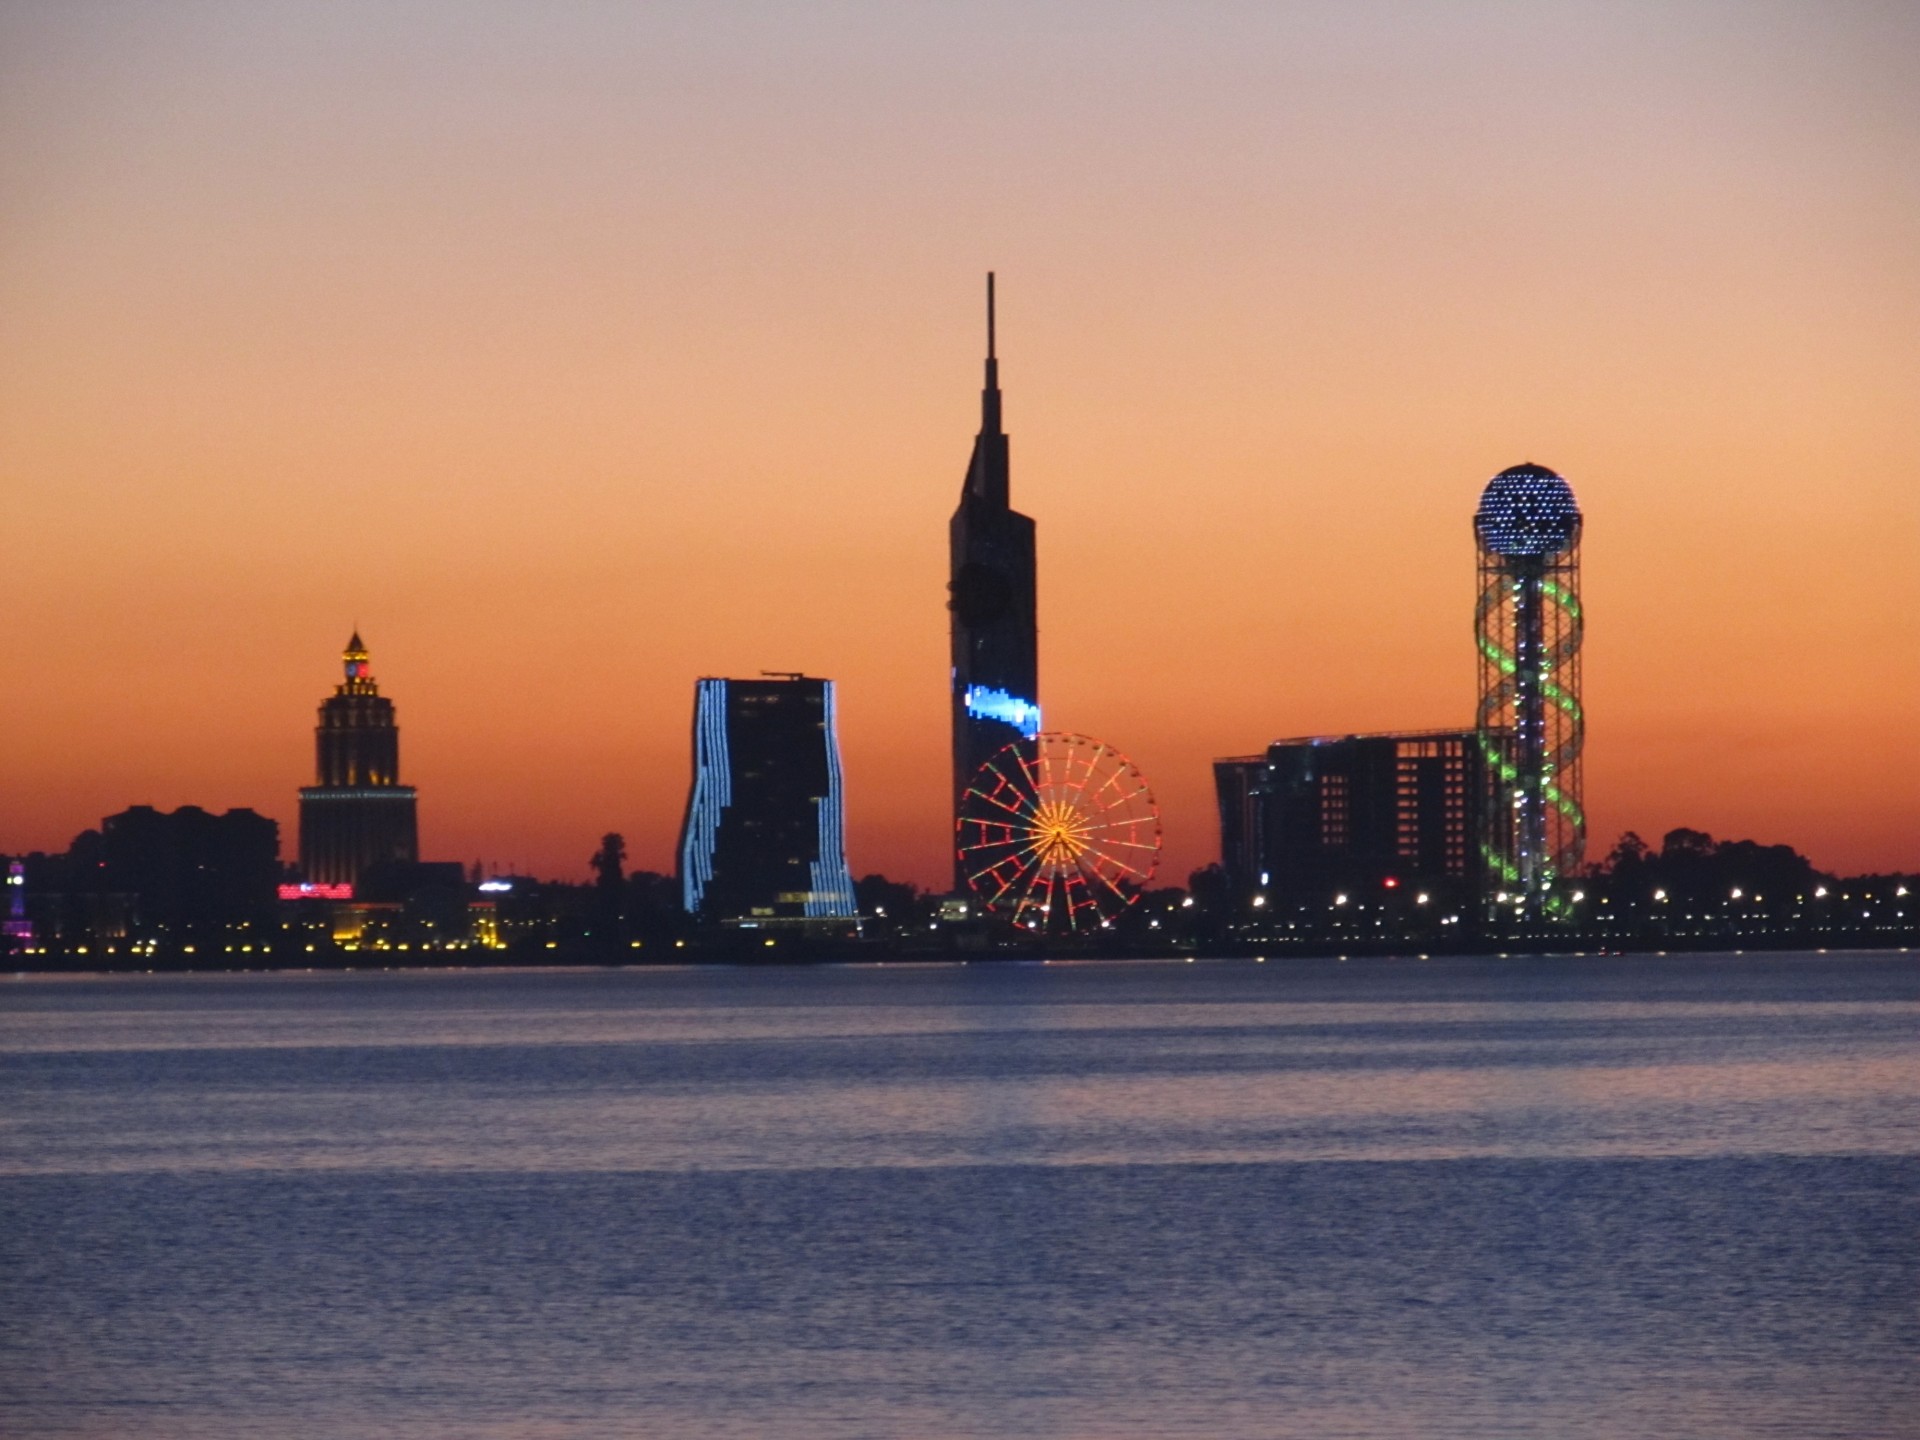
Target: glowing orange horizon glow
{"x": 577, "y": 352}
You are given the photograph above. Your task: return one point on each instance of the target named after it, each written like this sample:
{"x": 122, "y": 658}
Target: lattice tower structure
{"x": 1528, "y": 625}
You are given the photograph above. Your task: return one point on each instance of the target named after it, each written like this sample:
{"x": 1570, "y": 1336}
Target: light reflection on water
{"x": 1601, "y": 1197}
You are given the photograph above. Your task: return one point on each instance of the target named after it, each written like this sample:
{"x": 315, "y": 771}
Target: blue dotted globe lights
{"x": 1529, "y": 625}
{"x": 1527, "y": 511}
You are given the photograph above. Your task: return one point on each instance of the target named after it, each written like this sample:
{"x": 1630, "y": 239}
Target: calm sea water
{"x": 1568, "y": 1198}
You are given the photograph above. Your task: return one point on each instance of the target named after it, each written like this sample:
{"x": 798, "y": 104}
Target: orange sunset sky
{"x": 576, "y": 351}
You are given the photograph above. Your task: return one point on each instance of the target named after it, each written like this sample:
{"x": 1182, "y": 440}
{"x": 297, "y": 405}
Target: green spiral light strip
{"x": 1500, "y": 699}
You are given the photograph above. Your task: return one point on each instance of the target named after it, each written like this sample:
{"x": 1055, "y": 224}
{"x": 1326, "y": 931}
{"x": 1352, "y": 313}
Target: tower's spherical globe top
{"x": 1527, "y": 511}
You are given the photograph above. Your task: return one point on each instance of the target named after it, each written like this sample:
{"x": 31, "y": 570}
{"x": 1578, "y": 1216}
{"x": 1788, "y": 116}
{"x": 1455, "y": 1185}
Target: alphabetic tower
{"x": 1531, "y": 726}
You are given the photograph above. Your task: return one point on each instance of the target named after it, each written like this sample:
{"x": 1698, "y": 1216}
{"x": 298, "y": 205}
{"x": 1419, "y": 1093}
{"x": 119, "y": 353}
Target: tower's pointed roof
{"x": 990, "y": 393}
{"x": 987, "y": 473}
{"x": 357, "y": 664}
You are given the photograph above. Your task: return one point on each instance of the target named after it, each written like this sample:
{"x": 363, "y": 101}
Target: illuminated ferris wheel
{"x": 1058, "y": 833}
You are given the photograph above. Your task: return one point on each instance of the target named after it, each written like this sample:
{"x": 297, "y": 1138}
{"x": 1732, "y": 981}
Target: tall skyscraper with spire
{"x": 358, "y": 814}
{"x": 991, "y": 600}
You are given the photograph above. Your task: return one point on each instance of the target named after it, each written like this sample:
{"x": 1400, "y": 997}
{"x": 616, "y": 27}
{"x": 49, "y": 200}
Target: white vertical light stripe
{"x": 712, "y": 791}
{"x": 831, "y": 895}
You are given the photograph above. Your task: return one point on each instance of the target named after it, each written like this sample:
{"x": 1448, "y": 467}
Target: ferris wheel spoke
{"x": 1034, "y": 772}
{"x": 1007, "y": 805}
{"x": 1109, "y": 845}
{"x": 997, "y": 863}
{"x": 1122, "y": 822}
{"x": 1003, "y": 883}
{"x": 1092, "y": 769}
{"x": 1128, "y": 845}
{"x": 1071, "y": 881}
{"x": 1128, "y": 874}
{"x": 1114, "y": 782}
{"x": 1005, "y": 793}
{"x": 1037, "y": 879}
{"x": 1034, "y": 851}
{"x": 985, "y": 847}
{"x": 1122, "y": 896}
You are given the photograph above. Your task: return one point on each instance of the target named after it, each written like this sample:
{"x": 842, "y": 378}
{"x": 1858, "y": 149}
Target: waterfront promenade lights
{"x": 1528, "y": 626}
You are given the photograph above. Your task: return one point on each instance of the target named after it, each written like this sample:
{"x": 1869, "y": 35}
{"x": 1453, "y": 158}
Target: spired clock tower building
{"x": 358, "y": 814}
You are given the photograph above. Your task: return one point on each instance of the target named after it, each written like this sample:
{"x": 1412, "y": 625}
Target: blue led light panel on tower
{"x": 987, "y": 704}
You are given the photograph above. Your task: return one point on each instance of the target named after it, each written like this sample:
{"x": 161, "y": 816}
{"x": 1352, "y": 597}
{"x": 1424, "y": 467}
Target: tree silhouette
{"x": 609, "y": 864}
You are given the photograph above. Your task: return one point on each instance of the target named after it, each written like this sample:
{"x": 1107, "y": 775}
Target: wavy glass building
{"x": 764, "y": 840}
{"x": 991, "y": 603}
{"x": 357, "y": 814}
{"x": 1531, "y": 726}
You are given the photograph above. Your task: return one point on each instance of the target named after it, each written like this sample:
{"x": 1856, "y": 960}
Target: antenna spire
{"x": 990, "y": 396}
{"x": 987, "y": 471}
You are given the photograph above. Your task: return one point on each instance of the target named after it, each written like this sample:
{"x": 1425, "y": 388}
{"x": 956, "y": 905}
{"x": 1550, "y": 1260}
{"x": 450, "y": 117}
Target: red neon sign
{"x": 316, "y": 892}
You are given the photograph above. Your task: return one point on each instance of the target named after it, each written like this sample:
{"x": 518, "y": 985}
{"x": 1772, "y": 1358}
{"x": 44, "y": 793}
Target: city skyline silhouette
{"x": 628, "y": 352}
